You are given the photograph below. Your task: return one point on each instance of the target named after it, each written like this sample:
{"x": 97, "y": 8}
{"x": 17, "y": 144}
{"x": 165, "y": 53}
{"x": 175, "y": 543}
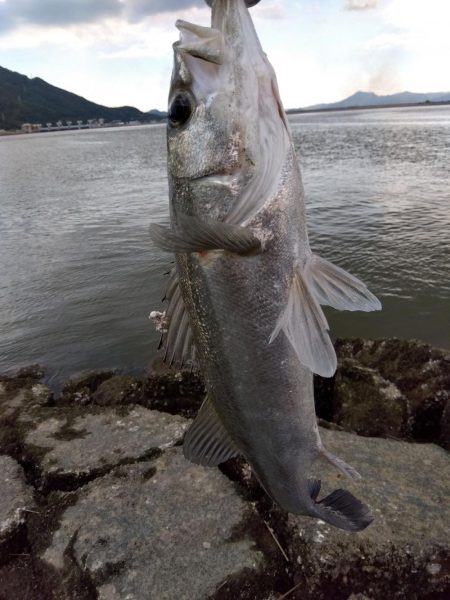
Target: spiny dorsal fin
{"x": 177, "y": 341}
{"x": 207, "y": 442}
{"x": 194, "y": 235}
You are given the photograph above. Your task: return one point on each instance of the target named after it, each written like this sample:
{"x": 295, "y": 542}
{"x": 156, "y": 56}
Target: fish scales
{"x": 246, "y": 290}
{"x": 232, "y": 324}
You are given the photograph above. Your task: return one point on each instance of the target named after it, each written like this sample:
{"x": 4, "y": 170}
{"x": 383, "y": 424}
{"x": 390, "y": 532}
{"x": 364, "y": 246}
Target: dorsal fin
{"x": 177, "y": 341}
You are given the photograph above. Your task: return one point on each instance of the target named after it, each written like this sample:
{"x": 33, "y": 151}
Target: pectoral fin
{"x": 194, "y": 235}
{"x": 207, "y": 442}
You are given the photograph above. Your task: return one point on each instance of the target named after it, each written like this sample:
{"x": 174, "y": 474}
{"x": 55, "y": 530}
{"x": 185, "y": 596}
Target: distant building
{"x": 31, "y": 127}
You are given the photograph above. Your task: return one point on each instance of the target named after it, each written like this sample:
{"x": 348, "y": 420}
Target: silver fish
{"x": 245, "y": 294}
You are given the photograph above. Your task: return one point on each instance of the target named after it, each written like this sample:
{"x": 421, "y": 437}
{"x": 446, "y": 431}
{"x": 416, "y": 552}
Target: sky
{"x": 119, "y": 52}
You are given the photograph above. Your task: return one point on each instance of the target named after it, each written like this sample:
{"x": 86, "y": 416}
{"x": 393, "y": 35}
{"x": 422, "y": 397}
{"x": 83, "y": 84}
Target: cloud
{"x": 14, "y": 13}
{"x": 139, "y": 9}
{"x": 360, "y": 4}
{"x": 48, "y": 13}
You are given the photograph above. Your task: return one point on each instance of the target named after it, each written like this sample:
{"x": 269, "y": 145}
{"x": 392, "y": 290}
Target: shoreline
{"x": 289, "y": 111}
{"x": 7, "y": 133}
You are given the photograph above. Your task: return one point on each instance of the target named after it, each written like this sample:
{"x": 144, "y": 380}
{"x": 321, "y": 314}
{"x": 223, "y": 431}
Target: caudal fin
{"x": 341, "y": 509}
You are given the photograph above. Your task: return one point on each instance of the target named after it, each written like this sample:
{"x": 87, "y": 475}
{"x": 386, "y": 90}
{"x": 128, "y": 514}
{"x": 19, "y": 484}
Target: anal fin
{"x": 207, "y": 442}
{"x": 341, "y": 465}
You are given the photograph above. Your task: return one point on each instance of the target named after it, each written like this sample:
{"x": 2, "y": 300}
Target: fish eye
{"x": 181, "y": 109}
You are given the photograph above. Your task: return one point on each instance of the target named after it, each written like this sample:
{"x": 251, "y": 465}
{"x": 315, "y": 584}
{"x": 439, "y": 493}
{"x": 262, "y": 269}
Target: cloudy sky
{"x": 118, "y": 52}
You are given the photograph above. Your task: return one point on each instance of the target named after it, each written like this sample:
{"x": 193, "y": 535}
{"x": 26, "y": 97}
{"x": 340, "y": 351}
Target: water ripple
{"x": 79, "y": 275}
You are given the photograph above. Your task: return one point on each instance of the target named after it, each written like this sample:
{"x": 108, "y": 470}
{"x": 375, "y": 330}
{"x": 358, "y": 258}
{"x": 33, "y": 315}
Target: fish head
{"x": 225, "y": 119}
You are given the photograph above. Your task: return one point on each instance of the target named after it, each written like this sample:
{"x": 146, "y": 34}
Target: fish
{"x": 245, "y": 294}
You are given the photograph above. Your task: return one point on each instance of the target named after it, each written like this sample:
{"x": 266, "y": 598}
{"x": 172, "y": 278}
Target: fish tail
{"x": 340, "y": 508}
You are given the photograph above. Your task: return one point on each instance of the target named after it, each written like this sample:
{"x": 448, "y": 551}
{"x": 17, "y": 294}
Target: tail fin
{"x": 341, "y": 509}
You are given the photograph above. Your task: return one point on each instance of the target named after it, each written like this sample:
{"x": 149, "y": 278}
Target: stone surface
{"x": 405, "y": 553}
{"x": 164, "y": 530}
{"x": 70, "y": 448}
{"x": 364, "y": 402}
{"x": 16, "y": 498}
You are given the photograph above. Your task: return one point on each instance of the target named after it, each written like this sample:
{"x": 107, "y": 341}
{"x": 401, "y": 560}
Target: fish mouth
{"x": 249, "y": 3}
{"x": 225, "y": 176}
{"x": 227, "y": 179}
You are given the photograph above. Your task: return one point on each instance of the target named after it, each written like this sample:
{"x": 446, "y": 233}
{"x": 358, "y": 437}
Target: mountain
{"x": 25, "y": 100}
{"x": 370, "y": 99}
{"x": 156, "y": 114}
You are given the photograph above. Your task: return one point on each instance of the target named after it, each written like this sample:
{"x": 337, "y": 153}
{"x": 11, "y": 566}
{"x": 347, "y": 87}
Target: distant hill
{"x": 25, "y": 100}
{"x": 360, "y": 99}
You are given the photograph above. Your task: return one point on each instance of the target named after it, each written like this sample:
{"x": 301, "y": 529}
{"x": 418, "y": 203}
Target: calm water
{"x": 79, "y": 277}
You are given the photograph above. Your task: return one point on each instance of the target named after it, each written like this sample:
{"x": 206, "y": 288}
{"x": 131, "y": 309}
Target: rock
{"x": 78, "y": 389}
{"x": 16, "y": 498}
{"x": 364, "y": 402}
{"x": 116, "y": 391}
{"x": 420, "y": 372}
{"x": 405, "y": 553}
{"x": 23, "y": 378}
{"x": 41, "y": 394}
{"x": 32, "y": 372}
{"x": 175, "y": 392}
{"x": 70, "y": 447}
{"x": 13, "y": 402}
{"x": 163, "y": 529}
